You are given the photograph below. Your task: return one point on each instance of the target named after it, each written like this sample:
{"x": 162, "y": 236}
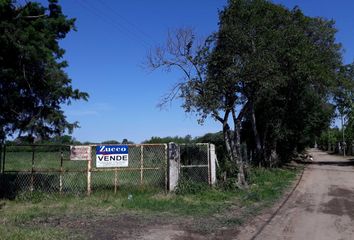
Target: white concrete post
{"x": 174, "y": 165}
{"x": 212, "y": 164}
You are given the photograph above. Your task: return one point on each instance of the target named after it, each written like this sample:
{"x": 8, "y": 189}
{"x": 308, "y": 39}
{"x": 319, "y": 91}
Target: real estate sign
{"x": 80, "y": 152}
{"x": 112, "y": 156}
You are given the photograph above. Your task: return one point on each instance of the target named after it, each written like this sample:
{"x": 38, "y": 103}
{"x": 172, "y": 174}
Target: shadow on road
{"x": 343, "y": 163}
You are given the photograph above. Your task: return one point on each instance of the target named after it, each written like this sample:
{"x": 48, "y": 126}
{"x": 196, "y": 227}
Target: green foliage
{"x": 55, "y": 140}
{"x": 20, "y": 233}
{"x": 34, "y": 85}
{"x": 270, "y": 75}
{"x": 344, "y": 100}
{"x": 344, "y": 91}
{"x": 332, "y": 136}
{"x": 176, "y": 139}
{"x": 282, "y": 62}
{"x": 228, "y": 184}
{"x": 265, "y": 184}
{"x": 110, "y": 142}
{"x": 218, "y": 140}
{"x": 65, "y": 139}
{"x": 126, "y": 141}
{"x": 209, "y": 206}
{"x": 188, "y": 186}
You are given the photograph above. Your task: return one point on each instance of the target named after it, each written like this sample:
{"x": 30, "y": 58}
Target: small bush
{"x": 228, "y": 184}
{"x": 188, "y": 186}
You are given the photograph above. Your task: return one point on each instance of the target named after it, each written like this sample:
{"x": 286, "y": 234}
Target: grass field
{"x": 19, "y": 158}
{"x": 51, "y": 174}
{"x": 51, "y": 216}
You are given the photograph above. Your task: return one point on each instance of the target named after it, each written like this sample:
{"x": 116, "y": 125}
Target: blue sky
{"x": 106, "y": 53}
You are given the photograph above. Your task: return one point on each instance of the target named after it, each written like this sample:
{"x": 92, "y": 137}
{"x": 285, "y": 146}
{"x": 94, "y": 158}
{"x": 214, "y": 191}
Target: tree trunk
{"x": 234, "y": 152}
{"x": 273, "y": 158}
{"x": 258, "y": 156}
{"x": 241, "y": 175}
{"x": 228, "y": 143}
{"x": 257, "y": 139}
{"x": 265, "y": 145}
{"x": 233, "y": 143}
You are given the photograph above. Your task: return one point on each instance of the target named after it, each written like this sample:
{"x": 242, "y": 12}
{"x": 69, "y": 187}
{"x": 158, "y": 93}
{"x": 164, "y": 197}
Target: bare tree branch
{"x": 179, "y": 53}
{"x": 170, "y": 96}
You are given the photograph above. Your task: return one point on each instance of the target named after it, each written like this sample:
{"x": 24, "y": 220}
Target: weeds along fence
{"x": 48, "y": 168}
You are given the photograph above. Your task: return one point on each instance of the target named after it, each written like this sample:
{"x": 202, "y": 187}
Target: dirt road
{"x": 321, "y": 207}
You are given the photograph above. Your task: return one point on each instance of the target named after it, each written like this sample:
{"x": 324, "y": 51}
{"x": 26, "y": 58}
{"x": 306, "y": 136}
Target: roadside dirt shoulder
{"x": 319, "y": 208}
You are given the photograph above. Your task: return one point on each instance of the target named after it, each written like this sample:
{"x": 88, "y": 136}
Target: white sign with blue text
{"x": 112, "y": 156}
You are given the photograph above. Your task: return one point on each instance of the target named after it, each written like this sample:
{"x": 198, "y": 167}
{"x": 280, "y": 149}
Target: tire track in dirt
{"x": 319, "y": 207}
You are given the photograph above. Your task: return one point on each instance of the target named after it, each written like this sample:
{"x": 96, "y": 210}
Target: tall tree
{"x": 204, "y": 97}
{"x": 33, "y": 83}
{"x": 343, "y": 98}
{"x": 284, "y": 65}
{"x": 243, "y": 66}
{"x": 268, "y": 66}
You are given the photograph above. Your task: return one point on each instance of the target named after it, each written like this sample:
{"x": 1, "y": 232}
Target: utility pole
{"x": 343, "y": 137}
{"x": 329, "y": 147}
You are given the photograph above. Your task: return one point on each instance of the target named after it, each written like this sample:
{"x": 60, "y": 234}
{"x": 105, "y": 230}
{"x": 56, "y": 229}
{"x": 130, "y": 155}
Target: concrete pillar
{"x": 212, "y": 163}
{"x": 173, "y": 166}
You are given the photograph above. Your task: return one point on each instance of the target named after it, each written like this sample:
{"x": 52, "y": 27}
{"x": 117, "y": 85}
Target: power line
{"x": 104, "y": 17}
{"x": 132, "y": 24}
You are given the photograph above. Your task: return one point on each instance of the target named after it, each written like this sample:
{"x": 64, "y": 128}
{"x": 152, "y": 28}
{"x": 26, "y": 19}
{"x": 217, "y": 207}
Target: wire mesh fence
{"x": 48, "y": 168}
{"x": 195, "y": 163}
{"x": 147, "y": 167}
{"x": 44, "y": 168}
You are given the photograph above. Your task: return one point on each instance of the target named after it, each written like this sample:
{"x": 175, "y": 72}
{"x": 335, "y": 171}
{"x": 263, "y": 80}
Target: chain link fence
{"x": 48, "y": 168}
{"x": 43, "y": 168}
{"x": 147, "y": 168}
{"x": 195, "y": 163}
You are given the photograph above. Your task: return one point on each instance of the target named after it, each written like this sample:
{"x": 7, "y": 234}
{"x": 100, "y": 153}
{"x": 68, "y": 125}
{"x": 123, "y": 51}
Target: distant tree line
{"x": 175, "y": 139}
{"x": 332, "y": 140}
{"x": 62, "y": 140}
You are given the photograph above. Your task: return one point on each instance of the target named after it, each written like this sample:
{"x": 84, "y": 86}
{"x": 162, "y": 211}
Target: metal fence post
{"x": 61, "y": 172}
{"x": 115, "y": 180}
{"x": 141, "y": 164}
{"x": 32, "y": 170}
{"x": 89, "y": 177}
